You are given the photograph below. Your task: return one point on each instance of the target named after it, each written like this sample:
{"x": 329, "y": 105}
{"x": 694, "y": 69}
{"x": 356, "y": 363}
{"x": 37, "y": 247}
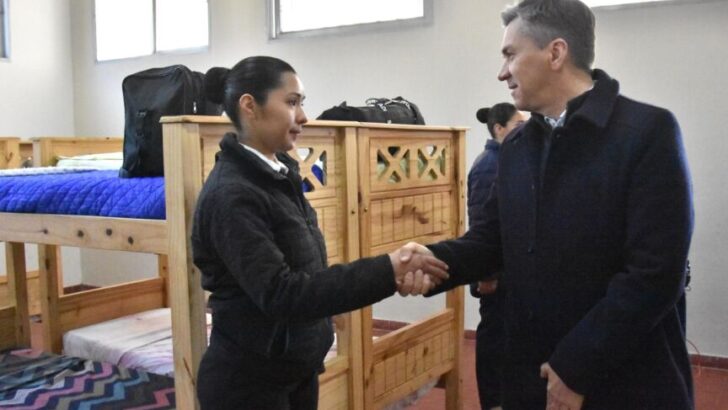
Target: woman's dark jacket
{"x": 256, "y": 240}
{"x": 593, "y": 246}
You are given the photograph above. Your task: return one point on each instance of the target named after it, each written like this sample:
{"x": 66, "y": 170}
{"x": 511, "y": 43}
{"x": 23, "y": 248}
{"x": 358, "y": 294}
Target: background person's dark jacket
{"x": 480, "y": 179}
{"x": 594, "y": 247}
{"x": 256, "y": 240}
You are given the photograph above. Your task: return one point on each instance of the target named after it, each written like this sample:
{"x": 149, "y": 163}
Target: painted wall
{"x": 670, "y": 55}
{"x": 36, "y": 89}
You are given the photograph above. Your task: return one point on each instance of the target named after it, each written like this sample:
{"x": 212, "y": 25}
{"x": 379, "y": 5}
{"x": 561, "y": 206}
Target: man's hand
{"x": 558, "y": 395}
{"x": 416, "y": 272}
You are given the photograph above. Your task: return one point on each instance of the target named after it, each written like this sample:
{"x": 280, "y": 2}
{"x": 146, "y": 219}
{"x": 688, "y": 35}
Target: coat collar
{"x": 492, "y": 145}
{"x": 248, "y": 160}
{"x": 596, "y": 105}
{"x": 593, "y": 107}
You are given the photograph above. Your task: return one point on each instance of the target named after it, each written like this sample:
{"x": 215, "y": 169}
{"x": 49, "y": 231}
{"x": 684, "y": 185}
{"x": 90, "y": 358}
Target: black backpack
{"x": 148, "y": 96}
{"x": 396, "y": 111}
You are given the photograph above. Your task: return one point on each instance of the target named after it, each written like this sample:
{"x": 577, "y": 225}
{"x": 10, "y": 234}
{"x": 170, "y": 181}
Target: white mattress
{"x": 144, "y": 341}
{"x": 141, "y": 341}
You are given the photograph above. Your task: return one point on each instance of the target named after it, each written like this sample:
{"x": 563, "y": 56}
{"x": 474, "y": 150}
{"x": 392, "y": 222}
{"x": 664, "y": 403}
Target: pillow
{"x": 106, "y": 160}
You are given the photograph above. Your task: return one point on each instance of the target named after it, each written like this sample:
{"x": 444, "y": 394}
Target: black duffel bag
{"x": 395, "y": 111}
{"x": 149, "y": 95}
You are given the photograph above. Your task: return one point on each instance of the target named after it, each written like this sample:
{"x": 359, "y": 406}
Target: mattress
{"x": 84, "y": 192}
{"x": 140, "y": 341}
{"x": 144, "y": 341}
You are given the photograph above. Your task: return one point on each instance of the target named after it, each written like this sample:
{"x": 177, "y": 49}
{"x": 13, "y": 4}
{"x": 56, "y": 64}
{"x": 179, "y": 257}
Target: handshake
{"x": 416, "y": 270}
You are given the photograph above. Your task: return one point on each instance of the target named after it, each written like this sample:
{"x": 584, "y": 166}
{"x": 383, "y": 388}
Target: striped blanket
{"x": 32, "y": 380}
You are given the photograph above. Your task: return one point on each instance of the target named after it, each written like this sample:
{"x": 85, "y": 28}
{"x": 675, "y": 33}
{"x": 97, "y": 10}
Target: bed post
{"x": 50, "y": 281}
{"x": 9, "y": 152}
{"x": 18, "y": 290}
{"x": 455, "y": 299}
{"x": 354, "y": 331}
{"x": 183, "y": 181}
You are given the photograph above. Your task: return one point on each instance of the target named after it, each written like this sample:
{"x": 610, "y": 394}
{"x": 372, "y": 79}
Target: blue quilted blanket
{"x": 97, "y": 193}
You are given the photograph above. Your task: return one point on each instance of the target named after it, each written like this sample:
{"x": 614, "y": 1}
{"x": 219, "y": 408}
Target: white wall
{"x": 36, "y": 89}
{"x": 36, "y": 81}
{"x": 669, "y": 55}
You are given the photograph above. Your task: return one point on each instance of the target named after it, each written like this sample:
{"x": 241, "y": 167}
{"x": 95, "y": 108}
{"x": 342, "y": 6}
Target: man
{"x": 590, "y": 220}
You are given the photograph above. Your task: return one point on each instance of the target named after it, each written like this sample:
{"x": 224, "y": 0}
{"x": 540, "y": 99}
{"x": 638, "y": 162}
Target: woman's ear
{"x": 247, "y": 106}
{"x": 498, "y": 130}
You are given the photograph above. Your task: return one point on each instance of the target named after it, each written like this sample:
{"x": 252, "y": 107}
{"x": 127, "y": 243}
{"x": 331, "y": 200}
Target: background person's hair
{"x": 546, "y": 20}
{"x": 500, "y": 114}
{"x": 256, "y": 76}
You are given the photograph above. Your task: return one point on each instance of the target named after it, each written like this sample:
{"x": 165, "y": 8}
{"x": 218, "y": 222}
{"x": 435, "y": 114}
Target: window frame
{"x": 5, "y": 30}
{"x": 647, "y": 3}
{"x": 187, "y": 50}
{"x": 274, "y": 32}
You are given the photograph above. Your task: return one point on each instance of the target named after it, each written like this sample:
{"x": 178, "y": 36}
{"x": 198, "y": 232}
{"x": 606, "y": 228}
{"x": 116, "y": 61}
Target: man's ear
{"x": 247, "y": 106}
{"x": 558, "y": 53}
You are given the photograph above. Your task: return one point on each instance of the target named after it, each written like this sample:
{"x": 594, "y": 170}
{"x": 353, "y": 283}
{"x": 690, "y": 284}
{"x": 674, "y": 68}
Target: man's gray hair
{"x": 546, "y": 20}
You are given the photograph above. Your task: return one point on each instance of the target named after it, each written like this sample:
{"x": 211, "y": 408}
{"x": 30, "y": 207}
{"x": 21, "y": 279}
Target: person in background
{"x": 256, "y": 240}
{"x": 590, "y": 221}
{"x": 501, "y": 119}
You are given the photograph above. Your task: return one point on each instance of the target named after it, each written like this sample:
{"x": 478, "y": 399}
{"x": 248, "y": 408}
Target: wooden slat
{"x": 46, "y": 150}
{"x": 107, "y": 303}
{"x": 124, "y": 234}
{"x": 7, "y": 322}
{"x": 333, "y": 393}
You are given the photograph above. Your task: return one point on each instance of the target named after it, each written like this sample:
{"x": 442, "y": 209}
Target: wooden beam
{"x": 183, "y": 181}
{"x": 48, "y": 261}
{"x": 123, "y": 234}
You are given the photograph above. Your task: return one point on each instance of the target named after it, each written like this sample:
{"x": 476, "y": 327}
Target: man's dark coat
{"x": 593, "y": 246}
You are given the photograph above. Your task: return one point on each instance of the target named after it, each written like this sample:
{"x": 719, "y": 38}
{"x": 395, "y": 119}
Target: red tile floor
{"x": 711, "y": 385}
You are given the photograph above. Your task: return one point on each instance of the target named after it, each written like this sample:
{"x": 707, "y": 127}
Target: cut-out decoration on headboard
{"x": 312, "y": 161}
{"x": 423, "y": 163}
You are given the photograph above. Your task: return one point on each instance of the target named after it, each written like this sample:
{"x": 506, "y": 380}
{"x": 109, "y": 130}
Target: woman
{"x": 256, "y": 240}
{"x": 501, "y": 119}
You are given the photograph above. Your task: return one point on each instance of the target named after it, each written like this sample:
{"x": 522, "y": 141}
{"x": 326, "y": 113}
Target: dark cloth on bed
{"x": 257, "y": 242}
{"x": 594, "y": 244}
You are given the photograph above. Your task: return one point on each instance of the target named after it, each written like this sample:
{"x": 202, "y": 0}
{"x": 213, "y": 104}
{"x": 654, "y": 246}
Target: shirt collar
{"x": 555, "y": 122}
{"x": 276, "y": 165}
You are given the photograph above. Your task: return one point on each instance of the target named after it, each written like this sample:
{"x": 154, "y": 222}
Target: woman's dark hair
{"x": 500, "y": 113}
{"x": 256, "y": 76}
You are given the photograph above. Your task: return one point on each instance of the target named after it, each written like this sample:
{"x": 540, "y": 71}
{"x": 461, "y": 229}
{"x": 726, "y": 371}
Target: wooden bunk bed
{"x": 384, "y": 185}
{"x": 387, "y": 185}
{"x": 41, "y": 152}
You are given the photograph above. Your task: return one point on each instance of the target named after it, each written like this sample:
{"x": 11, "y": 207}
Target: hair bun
{"x": 215, "y": 84}
{"x": 482, "y": 115}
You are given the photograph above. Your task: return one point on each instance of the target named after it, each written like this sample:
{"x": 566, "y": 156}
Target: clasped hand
{"x": 416, "y": 270}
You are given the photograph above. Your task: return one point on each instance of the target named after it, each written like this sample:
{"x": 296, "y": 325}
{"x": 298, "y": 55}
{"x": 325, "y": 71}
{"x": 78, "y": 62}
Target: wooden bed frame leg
{"x": 453, "y": 378}
{"x": 48, "y": 260}
{"x": 183, "y": 181}
{"x": 163, "y": 272}
{"x": 18, "y": 290}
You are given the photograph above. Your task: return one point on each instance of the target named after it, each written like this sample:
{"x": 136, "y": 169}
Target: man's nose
{"x": 503, "y": 74}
